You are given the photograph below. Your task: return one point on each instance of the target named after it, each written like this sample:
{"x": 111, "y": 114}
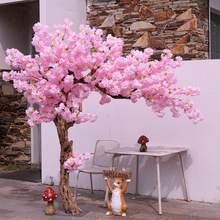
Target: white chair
{"x": 101, "y": 160}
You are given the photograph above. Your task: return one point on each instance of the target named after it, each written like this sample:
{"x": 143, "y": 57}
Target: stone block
{"x": 22, "y": 158}
{"x": 18, "y": 145}
{"x": 109, "y": 31}
{"x": 161, "y": 16}
{"x": 188, "y": 26}
{"x": 184, "y": 39}
{"x": 109, "y": 21}
{"x": 155, "y": 44}
{"x": 161, "y": 27}
{"x": 28, "y": 143}
{"x": 16, "y": 150}
{"x": 118, "y": 31}
{"x": 26, "y": 131}
{"x": 178, "y": 49}
{"x": 7, "y": 89}
{"x": 173, "y": 6}
{"x": 142, "y": 41}
{"x": 112, "y": 6}
{"x": 180, "y": 34}
{"x": 14, "y": 130}
{"x": 11, "y": 153}
{"x": 20, "y": 121}
{"x": 142, "y": 25}
{"x": 187, "y": 50}
{"x": 170, "y": 14}
{"x": 132, "y": 8}
{"x": 187, "y": 15}
{"x": 145, "y": 12}
{"x": 14, "y": 105}
{"x": 131, "y": 18}
{"x": 119, "y": 17}
{"x": 27, "y": 151}
{"x": 5, "y": 115}
{"x": 125, "y": 1}
{"x": 102, "y": 13}
{"x": 2, "y": 158}
{"x": 172, "y": 26}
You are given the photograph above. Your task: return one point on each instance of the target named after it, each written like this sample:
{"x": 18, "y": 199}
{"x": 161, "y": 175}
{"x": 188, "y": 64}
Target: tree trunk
{"x": 69, "y": 204}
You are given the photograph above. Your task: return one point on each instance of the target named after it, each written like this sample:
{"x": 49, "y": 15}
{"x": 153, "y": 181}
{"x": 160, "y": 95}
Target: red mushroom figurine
{"x": 143, "y": 140}
{"x": 49, "y": 195}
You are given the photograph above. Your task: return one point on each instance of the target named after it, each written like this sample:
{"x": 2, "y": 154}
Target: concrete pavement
{"x": 21, "y": 200}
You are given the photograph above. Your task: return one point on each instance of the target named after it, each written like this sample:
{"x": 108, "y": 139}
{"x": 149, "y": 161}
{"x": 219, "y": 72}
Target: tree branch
{"x": 98, "y": 87}
{"x": 112, "y": 96}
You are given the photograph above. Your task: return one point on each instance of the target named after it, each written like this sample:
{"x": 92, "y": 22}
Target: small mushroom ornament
{"x": 49, "y": 196}
{"x": 142, "y": 141}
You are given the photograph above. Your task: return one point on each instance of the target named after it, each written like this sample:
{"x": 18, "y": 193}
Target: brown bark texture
{"x": 69, "y": 204}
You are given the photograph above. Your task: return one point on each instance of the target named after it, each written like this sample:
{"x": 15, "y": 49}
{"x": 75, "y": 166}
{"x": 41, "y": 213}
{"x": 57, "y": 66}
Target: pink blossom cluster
{"x": 75, "y": 161}
{"x": 69, "y": 66}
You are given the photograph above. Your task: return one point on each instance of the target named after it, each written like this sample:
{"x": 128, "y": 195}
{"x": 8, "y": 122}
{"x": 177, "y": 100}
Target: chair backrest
{"x": 100, "y": 157}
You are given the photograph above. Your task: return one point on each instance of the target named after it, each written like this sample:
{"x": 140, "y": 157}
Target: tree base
{"x": 69, "y": 204}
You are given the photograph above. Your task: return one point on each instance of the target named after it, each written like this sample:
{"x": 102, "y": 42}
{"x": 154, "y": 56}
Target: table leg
{"x": 137, "y": 169}
{"x": 184, "y": 178}
{"x": 158, "y": 184}
{"x": 112, "y": 163}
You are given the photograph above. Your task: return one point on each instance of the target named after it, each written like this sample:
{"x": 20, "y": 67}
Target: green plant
{"x": 51, "y": 181}
{"x": 12, "y": 167}
{"x": 23, "y": 167}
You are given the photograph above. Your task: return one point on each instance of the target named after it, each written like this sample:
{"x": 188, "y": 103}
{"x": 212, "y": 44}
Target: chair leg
{"x": 91, "y": 183}
{"x": 77, "y": 178}
{"x": 106, "y": 197}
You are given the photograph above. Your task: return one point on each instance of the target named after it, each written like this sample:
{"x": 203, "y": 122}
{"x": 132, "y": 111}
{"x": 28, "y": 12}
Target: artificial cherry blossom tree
{"x": 69, "y": 66}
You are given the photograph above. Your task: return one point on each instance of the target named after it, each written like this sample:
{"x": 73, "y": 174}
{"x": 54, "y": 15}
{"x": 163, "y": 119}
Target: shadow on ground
{"x": 29, "y": 175}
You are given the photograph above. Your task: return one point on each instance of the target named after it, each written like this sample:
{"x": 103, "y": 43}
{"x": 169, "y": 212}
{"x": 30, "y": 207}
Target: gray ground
{"x": 21, "y": 198}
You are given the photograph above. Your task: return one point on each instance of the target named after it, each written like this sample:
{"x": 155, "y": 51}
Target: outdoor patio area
{"x": 23, "y": 200}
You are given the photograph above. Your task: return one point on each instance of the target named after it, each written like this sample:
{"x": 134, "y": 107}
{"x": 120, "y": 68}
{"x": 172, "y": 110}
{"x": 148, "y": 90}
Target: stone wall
{"x": 15, "y": 144}
{"x": 179, "y": 25}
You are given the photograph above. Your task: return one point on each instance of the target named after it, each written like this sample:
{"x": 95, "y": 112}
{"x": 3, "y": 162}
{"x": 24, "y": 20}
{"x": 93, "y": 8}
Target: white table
{"x": 154, "y": 151}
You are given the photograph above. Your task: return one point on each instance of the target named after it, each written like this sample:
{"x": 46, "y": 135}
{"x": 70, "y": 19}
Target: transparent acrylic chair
{"x": 101, "y": 161}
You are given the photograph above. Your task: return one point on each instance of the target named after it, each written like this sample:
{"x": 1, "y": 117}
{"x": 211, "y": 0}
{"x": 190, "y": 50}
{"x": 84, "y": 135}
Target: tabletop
{"x": 156, "y": 151}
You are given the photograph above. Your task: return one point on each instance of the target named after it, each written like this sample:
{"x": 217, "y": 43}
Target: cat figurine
{"x": 117, "y": 205}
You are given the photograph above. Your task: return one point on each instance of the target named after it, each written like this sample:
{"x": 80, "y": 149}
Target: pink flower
{"x": 70, "y": 66}
{"x": 75, "y": 161}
